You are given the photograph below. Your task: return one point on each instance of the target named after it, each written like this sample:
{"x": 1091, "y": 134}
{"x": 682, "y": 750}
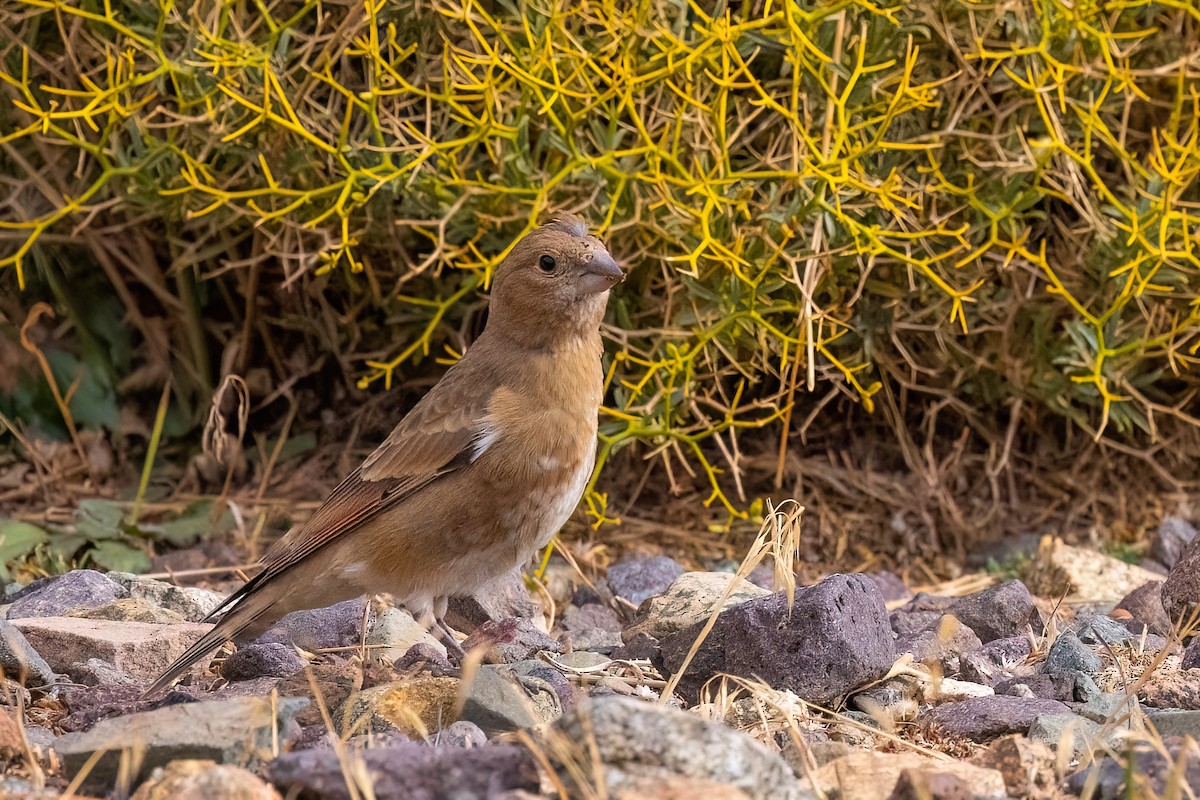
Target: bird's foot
{"x": 454, "y": 650}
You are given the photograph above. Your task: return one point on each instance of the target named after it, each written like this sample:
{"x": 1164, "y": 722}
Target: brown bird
{"x": 481, "y": 473}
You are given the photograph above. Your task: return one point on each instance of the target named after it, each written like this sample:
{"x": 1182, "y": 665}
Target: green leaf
{"x": 17, "y": 540}
{"x": 119, "y": 557}
{"x": 194, "y": 522}
{"x": 99, "y": 519}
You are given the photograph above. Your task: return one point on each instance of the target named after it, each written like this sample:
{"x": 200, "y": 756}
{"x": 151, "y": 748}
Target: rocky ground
{"x": 1072, "y": 680}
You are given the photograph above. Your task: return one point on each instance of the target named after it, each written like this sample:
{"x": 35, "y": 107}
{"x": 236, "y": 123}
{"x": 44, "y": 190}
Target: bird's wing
{"x": 447, "y": 430}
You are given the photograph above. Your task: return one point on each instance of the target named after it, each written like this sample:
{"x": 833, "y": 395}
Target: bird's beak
{"x": 600, "y": 274}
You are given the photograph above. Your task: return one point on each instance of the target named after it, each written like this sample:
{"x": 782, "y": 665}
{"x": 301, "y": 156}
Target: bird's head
{"x": 554, "y": 283}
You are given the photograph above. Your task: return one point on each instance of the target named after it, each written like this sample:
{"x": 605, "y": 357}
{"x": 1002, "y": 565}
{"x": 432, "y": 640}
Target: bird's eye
{"x": 547, "y": 263}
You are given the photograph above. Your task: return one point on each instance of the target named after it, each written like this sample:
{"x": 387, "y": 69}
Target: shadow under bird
{"x": 478, "y": 477}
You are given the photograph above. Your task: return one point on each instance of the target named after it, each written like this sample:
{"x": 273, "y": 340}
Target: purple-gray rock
{"x": 943, "y": 644}
{"x": 639, "y": 646}
{"x": 1173, "y": 535}
{"x": 81, "y": 588}
{"x": 338, "y": 625}
{"x": 262, "y": 660}
{"x": 998, "y": 612}
{"x": 640, "y": 577}
{"x": 890, "y": 586}
{"x": 1060, "y": 686}
{"x": 833, "y": 641}
{"x": 87, "y": 706}
{"x": 409, "y": 772}
{"x": 1145, "y": 605}
{"x": 1069, "y": 655}
{"x": 996, "y": 661}
{"x": 460, "y": 734}
{"x": 981, "y": 719}
{"x": 19, "y": 661}
{"x": 1151, "y": 770}
{"x": 509, "y": 640}
{"x": 1191, "y": 654}
{"x": 1181, "y": 589}
{"x": 590, "y": 617}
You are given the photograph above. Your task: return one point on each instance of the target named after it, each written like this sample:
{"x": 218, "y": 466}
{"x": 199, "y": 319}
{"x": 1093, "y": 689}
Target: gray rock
{"x": 1057, "y": 686}
{"x": 509, "y": 640}
{"x": 594, "y": 640}
{"x": 88, "y": 705}
{"x": 1103, "y": 706}
{"x": 944, "y": 644}
{"x": 19, "y": 661}
{"x": 461, "y": 734}
{"x": 1105, "y": 631}
{"x": 1181, "y": 589}
{"x": 982, "y": 719}
{"x": 834, "y": 640}
{"x": 568, "y": 694}
{"x": 504, "y": 598}
{"x": 998, "y": 612}
{"x": 632, "y": 740}
{"x": 639, "y": 578}
{"x": 191, "y": 602}
{"x": 1173, "y": 535}
{"x": 411, "y": 772}
{"x": 226, "y": 731}
{"x": 98, "y": 672}
{"x": 394, "y": 631}
{"x": 1151, "y": 770}
{"x": 910, "y": 623}
{"x": 1145, "y": 605}
{"x": 1175, "y": 722}
{"x": 1057, "y": 729}
{"x": 1069, "y": 655}
{"x": 82, "y": 588}
{"x": 998, "y": 660}
{"x": 139, "y": 649}
{"x": 498, "y": 700}
{"x": 690, "y": 600}
{"x": 590, "y": 617}
{"x": 262, "y": 660}
{"x": 338, "y": 625}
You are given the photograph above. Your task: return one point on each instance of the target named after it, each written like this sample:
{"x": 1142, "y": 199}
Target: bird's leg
{"x": 443, "y": 631}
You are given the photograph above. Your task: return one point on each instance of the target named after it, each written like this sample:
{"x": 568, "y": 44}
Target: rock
{"x": 19, "y": 661}
{"x": 943, "y": 645}
{"x": 997, "y": 660}
{"x": 894, "y": 700}
{"x": 1069, "y": 655}
{"x": 204, "y": 780}
{"x": 192, "y": 603}
{"x": 1104, "y": 631}
{"x": 637, "y": 647}
{"x": 509, "y": 640}
{"x": 568, "y": 694}
{"x": 1145, "y": 606}
{"x": 1191, "y": 655}
{"x": 460, "y": 734}
{"x": 835, "y": 639}
{"x": 592, "y": 640}
{"x": 409, "y": 772}
{"x": 1176, "y": 722}
{"x": 139, "y": 649}
{"x": 1057, "y": 686}
{"x": 1181, "y": 589}
{"x": 891, "y": 587}
{"x": 639, "y": 578}
{"x": 910, "y": 623}
{"x": 87, "y": 706}
{"x": 394, "y": 631}
{"x": 270, "y": 660}
{"x": 1059, "y": 569}
{"x": 1028, "y": 767}
{"x": 590, "y": 617}
{"x": 497, "y": 700}
{"x": 416, "y": 707}
{"x": 336, "y": 680}
{"x": 985, "y": 718}
{"x": 129, "y": 609}
{"x": 633, "y": 741}
{"x": 1145, "y": 767}
{"x": 237, "y": 731}
{"x": 1173, "y": 535}
{"x": 1168, "y": 689}
{"x": 922, "y": 784}
{"x": 12, "y": 743}
{"x": 82, "y": 588}
{"x": 1061, "y": 731}
{"x": 98, "y": 672}
{"x": 949, "y": 690}
{"x": 690, "y": 599}
{"x": 338, "y": 625}
{"x": 1101, "y": 707}
{"x": 998, "y": 612}
{"x": 504, "y": 598}
{"x": 874, "y": 775}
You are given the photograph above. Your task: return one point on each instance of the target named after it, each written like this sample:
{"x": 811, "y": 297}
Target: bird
{"x": 480, "y": 474}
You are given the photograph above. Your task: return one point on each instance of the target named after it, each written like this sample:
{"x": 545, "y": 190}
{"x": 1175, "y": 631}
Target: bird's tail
{"x": 247, "y": 613}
